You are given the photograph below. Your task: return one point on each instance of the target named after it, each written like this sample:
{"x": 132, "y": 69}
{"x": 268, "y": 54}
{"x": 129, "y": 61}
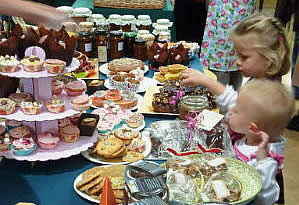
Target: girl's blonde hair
{"x": 271, "y": 43}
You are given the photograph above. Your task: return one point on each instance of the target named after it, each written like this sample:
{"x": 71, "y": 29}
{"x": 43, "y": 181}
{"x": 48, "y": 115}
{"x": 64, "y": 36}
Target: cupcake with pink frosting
{"x": 47, "y": 141}
{"x": 23, "y": 146}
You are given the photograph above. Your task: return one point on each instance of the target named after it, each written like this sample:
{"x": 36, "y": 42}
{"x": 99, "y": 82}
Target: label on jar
{"x": 120, "y": 46}
{"x": 88, "y": 47}
{"x": 102, "y": 54}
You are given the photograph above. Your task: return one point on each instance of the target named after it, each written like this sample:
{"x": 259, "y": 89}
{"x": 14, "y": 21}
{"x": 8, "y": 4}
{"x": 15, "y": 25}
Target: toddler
{"x": 263, "y": 109}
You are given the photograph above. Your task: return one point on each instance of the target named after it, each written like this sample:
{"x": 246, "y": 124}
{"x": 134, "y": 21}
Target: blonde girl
{"x": 262, "y": 51}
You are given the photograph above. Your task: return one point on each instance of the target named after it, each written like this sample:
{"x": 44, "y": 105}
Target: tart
{"x": 23, "y": 146}
{"x": 20, "y": 132}
{"x": 32, "y": 64}
{"x": 81, "y": 103}
{"x": 20, "y": 97}
{"x": 69, "y": 134}
{"x": 55, "y": 105}
{"x": 8, "y": 64}
{"x": 7, "y": 106}
{"x": 57, "y": 87}
{"x": 55, "y": 65}
{"x": 125, "y": 65}
{"x": 135, "y": 120}
{"x": 31, "y": 108}
{"x": 47, "y": 141}
{"x": 75, "y": 88}
{"x": 97, "y": 101}
{"x": 113, "y": 95}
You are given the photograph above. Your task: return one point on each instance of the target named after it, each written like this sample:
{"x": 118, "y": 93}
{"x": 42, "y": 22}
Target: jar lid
{"x": 143, "y": 32}
{"x": 130, "y": 34}
{"x": 140, "y": 40}
{"x": 101, "y": 33}
{"x": 82, "y": 12}
{"x": 65, "y": 9}
{"x": 116, "y": 33}
{"x": 83, "y": 33}
{"x": 143, "y": 17}
{"x": 161, "y": 28}
{"x": 163, "y": 21}
{"x": 114, "y": 16}
{"x": 98, "y": 16}
{"x": 128, "y": 18}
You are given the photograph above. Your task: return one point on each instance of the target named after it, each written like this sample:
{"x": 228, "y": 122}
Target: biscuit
{"x": 163, "y": 69}
{"x": 92, "y": 171}
{"x": 176, "y": 68}
{"x": 91, "y": 184}
{"x": 132, "y": 156}
{"x": 108, "y": 147}
{"x": 172, "y": 76}
{"x": 126, "y": 133}
{"x": 87, "y": 180}
{"x": 96, "y": 189}
{"x": 118, "y": 153}
{"x": 117, "y": 182}
{"x": 160, "y": 77}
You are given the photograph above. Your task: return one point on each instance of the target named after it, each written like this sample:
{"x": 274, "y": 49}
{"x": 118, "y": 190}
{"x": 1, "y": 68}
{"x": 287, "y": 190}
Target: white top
{"x": 115, "y": 19}
{"x": 65, "y": 9}
{"x": 144, "y": 20}
{"x": 82, "y": 12}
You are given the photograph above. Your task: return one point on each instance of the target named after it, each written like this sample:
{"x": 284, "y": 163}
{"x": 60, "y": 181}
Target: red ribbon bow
{"x": 214, "y": 150}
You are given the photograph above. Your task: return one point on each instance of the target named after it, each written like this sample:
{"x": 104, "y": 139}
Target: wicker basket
{"x": 130, "y": 4}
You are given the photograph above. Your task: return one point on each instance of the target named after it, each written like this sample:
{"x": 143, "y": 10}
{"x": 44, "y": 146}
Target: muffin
{"x": 47, "y": 141}
{"x": 31, "y": 108}
{"x": 55, "y": 105}
{"x": 10, "y": 124}
{"x": 7, "y": 106}
{"x": 75, "y": 88}
{"x": 81, "y": 103}
{"x": 20, "y": 132}
{"x": 32, "y": 64}
{"x": 57, "y": 87}
{"x": 8, "y": 64}
{"x": 23, "y": 146}
{"x": 20, "y": 97}
{"x": 55, "y": 65}
{"x": 135, "y": 120}
{"x": 69, "y": 134}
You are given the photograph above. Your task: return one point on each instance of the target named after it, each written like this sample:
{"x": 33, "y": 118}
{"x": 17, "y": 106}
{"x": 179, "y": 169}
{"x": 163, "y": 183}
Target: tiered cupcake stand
{"x": 39, "y": 85}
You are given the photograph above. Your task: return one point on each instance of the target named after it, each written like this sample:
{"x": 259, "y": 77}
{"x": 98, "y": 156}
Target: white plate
{"x": 139, "y": 101}
{"x": 84, "y": 195}
{"x": 144, "y": 84}
{"x": 104, "y": 68}
{"x": 41, "y": 74}
{"x": 62, "y": 150}
{"x": 147, "y": 151}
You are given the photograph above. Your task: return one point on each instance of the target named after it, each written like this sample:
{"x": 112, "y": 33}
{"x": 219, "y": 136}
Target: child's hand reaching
{"x": 192, "y": 77}
{"x": 263, "y": 149}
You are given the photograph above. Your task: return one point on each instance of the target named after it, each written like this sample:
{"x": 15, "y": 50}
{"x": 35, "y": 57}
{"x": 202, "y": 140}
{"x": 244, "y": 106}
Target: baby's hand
{"x": 191, "y": 77}
{"x": 263, "y": 149}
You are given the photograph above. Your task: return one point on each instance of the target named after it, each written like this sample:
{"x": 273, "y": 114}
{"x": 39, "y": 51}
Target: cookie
{"x": 87, "y": 180}
{"x": 132, "y": 156}
{"x": 96, "y": 189}
{"x": 91, "y": 184}
{"x": 108, "y": 148}
{"x": 118, "y": 193}
{"x": 93, "y": 171}
{"x": 176, "y": 68}
{"x": 126, "y": 133}
{"x": 117, "y": 182}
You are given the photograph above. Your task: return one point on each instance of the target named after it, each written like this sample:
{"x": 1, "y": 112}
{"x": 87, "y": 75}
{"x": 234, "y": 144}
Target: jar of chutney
{"x": 129, "y": 39}
{"x": 101, "y": 42}
{"x": 85, "y": 43}
{"x": 140, "y": 49}
{"x": 116, "y": 42}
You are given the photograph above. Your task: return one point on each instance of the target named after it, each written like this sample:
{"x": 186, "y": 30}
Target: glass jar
{"x": 192, "y": 105}
{"x": 140, "y": 49}
{"x": 129, "y": 39}
{"x": 158, "y": 29}
{"x": 144, "y": 22}
{"x": 116, "y": 42}
{"x": 81, "y": 14}
{"x": 86, "y": 27}
{"x": 114, "y": 22}
{"x": 164, "y": 36}
{"x": 85, "y": 43}
{"x": 128, "y": 23}
{"x": 101, "y": 42}
{"x": 66, "y": 10}
{"x": 98, "y": 19}
{"x": 163, "y": 22}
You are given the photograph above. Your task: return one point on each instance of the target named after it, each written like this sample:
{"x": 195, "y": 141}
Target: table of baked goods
{"x": 51, "y": 182}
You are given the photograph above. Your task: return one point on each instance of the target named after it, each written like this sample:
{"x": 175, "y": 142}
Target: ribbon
{"x": 214, "y": 150}
{"x": 179, "y": 95}
{"x": 192, "y": 124}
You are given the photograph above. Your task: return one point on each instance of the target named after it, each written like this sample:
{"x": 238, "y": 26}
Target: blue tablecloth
{"x": 51, "y": 182}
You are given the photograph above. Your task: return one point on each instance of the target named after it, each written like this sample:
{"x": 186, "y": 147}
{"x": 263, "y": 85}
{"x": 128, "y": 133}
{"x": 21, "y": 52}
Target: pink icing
{"x": 23, "y": 143}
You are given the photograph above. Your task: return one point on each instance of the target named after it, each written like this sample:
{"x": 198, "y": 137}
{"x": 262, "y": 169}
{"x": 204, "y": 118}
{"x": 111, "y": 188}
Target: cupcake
{"x": 135, "y": 120}
{"x": 10, "y": 124}
{"x": 69, "y": 134}
{"x": 75, "y": 88}
{"x": 23, "y": 146}
{"x": 31, "y": 108}
{"x": 47, "y": 141}
{"x": 20, "y": 132}
{"x": 7, "y": 106}
{"x": 55, "y": 105}
{"x": 32, "y": 64}
{"x": 137, "y": 145}
{"x": 5, "y": 143}
{"x": 81, "y": 103}
{"x": 8, "y": 64}
{"x": 57, "y": 87}
{"x": 55, "y": 65}
{"x": 20, "y": 97}
{"x": 75, "y": 118}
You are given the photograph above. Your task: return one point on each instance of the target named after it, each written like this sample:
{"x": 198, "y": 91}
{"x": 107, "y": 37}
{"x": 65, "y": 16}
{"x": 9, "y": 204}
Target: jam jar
{"x": 116, "y": 42}
{"x": 140, "y": 49}
{"x": 114, "y": 22}
{"x": 101, "y": 42}
{"x": 85, "y": 43}
{"x": 192, "y": 104}
{"x": 81, "y": 14}
{"x": 144, "y": 22}
{"x": 128, "y": 23}
{"x": 129, "y": 39}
